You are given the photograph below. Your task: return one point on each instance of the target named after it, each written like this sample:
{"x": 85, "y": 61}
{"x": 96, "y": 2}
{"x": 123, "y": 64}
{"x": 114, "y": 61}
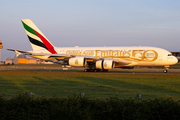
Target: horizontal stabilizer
{"x": 18, "y": 52}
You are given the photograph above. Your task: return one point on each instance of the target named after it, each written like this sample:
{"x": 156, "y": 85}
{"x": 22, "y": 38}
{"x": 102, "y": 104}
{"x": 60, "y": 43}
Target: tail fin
{"x": 37, "y": 39}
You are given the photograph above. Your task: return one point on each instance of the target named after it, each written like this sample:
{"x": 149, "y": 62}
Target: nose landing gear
{"x": 165, "y": 70}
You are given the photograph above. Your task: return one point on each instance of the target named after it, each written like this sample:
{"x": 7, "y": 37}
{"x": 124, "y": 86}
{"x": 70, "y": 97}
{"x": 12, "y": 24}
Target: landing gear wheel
{"x": 92, "y": 70}
{"x": 102, "y": 70}
{"x": 165, "y": 70}
{"x": 87, "y": 70}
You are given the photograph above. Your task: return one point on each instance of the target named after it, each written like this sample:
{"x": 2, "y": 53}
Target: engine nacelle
{"x": 99, "y": 64}
{"x": 77, "y": 61}
{"x": 105, "y": 64}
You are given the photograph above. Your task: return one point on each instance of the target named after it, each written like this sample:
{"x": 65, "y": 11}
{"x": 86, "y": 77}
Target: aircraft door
{"x": 160, "y": 57}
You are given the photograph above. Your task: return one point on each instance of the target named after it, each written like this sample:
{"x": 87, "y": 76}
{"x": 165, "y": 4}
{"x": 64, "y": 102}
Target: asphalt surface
{"x": 69, "y": 69}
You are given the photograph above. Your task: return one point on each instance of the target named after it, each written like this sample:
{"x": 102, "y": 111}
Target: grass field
{"x": 95, "y": 85}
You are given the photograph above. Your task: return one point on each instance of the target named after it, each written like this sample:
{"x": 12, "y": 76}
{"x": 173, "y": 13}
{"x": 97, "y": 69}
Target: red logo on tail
{"x": 46, "y": 43}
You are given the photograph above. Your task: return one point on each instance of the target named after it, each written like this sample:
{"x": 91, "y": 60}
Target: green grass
{"x": 95, "y": 85}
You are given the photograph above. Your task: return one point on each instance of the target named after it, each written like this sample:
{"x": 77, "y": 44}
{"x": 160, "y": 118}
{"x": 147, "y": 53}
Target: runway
{"x": 78, "y": 70}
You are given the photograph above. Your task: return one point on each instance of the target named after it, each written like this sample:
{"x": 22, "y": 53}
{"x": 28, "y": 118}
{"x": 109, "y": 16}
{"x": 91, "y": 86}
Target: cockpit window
{"x": 170, "y": 55}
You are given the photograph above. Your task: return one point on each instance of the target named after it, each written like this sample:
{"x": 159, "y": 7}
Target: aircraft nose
{"x": 175, "y": 60}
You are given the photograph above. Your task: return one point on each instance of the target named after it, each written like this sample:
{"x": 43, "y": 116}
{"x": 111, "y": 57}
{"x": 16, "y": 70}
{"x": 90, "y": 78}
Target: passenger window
{"x": 170, "y": 55}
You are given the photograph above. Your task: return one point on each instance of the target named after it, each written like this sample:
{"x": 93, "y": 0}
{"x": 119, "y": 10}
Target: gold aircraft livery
{"x": 94, "y": 58}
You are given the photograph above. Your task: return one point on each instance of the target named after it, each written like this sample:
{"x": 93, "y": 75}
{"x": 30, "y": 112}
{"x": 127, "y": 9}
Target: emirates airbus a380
{"x": 94, "y": 58}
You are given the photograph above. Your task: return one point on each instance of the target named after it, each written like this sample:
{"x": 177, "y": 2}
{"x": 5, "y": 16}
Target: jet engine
{"x": 105, "y": 64}
{"x": 77, "y": 61}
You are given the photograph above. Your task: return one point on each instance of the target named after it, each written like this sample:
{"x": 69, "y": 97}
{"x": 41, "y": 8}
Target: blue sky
{"x": 68, "y": 23}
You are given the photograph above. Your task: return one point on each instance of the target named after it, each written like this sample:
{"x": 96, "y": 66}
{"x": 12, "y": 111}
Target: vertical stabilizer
{"x": 37, "y": 39}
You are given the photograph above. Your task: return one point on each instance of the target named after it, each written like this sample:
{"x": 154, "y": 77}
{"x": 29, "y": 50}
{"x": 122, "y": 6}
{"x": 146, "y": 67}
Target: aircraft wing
{"x": 56, "y": 57}
{"x": 122, "y": 63}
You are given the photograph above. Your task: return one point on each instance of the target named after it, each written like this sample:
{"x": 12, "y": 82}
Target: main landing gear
{"x": 95, "y": 70}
